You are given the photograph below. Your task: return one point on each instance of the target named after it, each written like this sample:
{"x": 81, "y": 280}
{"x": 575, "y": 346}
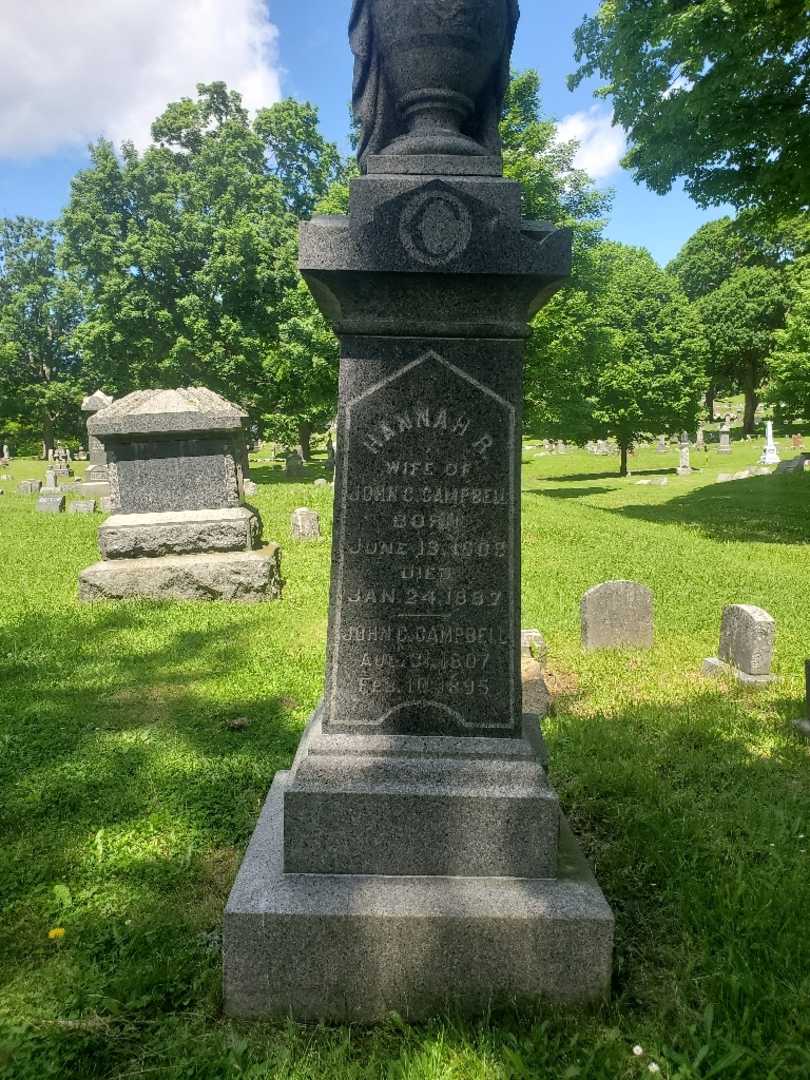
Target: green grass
{"x": 126, "y": 799}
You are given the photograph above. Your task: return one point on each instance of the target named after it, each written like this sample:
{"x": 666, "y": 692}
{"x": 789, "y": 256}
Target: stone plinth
{"x": 175, "y": 462}
{"x": 415, "y": 855}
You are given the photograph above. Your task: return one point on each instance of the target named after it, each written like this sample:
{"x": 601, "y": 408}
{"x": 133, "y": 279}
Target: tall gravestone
{"x": 415, "y": 854}
{"x": 725, "y": 438}
{"x": 179, "y": 529}
{"x": 96, "y": 471}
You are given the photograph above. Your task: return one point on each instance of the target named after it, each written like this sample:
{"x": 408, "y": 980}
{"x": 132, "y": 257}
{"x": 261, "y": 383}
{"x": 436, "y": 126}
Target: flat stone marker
{"x": 51, "y": 504}
{"x": 306, "y": 524}
{"x": 617, "y": 615}
{"x": 415, "y": 854}
{"x": 82, "y": 506}
{"x": 29, "y": 487}
{"x": 747, "y": 637}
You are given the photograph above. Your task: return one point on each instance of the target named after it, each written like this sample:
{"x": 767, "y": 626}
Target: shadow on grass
{"x": 762, "y": 509}
{"x": 275, "y": 474}
{"x": 613, "y": 475}
{"x": 568, "y": 493}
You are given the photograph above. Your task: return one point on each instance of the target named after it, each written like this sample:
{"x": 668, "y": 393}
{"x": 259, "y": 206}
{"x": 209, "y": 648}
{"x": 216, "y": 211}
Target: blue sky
{"x": 107, "y": 67}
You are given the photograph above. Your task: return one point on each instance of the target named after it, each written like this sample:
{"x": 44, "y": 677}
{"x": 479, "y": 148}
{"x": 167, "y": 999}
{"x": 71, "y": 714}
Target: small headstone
{"x": 617, "y": 615}
{"x": 51, "y": 482}
{"x": 82, "y": 506}
{"x": 770, "y": 455}
{"x": 797, "y": 442}
{"x": 643, "y": 483}
{"x": 320, "y": 482}
{"x": 5, "y": 476}
{"x": 803, "y": 725}
{"x": 6, "y": 452}
{"x": 725, "y": 439}
{"x": 743, "y": 474}
{"x": 685, "y": 466}
{"x": 51, "y": 504}
{"x": 747, "y": 636}
{"x": 532, "y": 643}
{"x": 659, "y": 481}
{"x": 249, "y": 488}
{"x": 661, "y": 446}
{"x": 700, "y": 440}
{"x": 306, "y": 524}
{"x": 107, "y": 504}
{"x": 724, "y": 477}
{"x": 29, "y": 487}
{"x": 294, "y": 465}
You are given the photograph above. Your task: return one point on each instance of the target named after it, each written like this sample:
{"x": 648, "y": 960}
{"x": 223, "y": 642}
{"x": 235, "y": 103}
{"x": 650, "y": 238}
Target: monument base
{"x": 179, "y": 532}
{"x": 352, "y": 948}
{"x": 714, "y": 667}
{"x": 245, "y": 576}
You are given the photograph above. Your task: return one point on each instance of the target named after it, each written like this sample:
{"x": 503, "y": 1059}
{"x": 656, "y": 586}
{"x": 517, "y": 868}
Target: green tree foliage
{"x": 733, "y": 271}
{"x": 714, "y": 91}
{"x": 789, "y": 363}
{"x": 39, "y": 310}
{"x": 626, "y": 359}
{"x": 185, "y": 255}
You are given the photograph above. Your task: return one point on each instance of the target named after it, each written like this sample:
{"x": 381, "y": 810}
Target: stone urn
{"x": 439, "y": 57}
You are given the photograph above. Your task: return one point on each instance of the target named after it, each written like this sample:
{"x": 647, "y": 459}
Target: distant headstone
{"x": 700, "y": 440}
{"x": 685, "y": 465}
{"x": 532, "y": 643}
{"x": 803, "y": 724}
{"x": 294, "y": 465}
{"x": 51, "y": 481}
{"x": 724, "y": 477}
{"x": 97, "y": 469}
{"x": 661, "y": 446}
{"x": 725, "y": 439}
{"x": 747, "y": 636}
{"x": 29, "y": 487}
{"x": 320, "y": 482}
{"x": 250, "y": 489}
{"x": 330, "y": 455}
{"x": 50, "y": 504}
{"x": 617, "y": 615}
{"x": 6, "y": 453}
{"x": 82, "y": 506}
{"x": 770, "y": 455}
{"x": 175, "y": 460}
{"x": 306, "y": 524}
{"x": 797, "y": 442}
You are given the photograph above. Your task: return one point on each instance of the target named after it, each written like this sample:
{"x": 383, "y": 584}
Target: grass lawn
{"x": 128, "y": 794}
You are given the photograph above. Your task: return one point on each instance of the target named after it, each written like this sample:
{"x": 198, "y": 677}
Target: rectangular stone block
{"x": 29, "y": 487}
{"x": 248, "y": 577}
{"x": 132, "y": 536}
{"x": 350, "y": 948}
{"x": 429, "y": 805}
{"x": 617, "y": 615}
{"x": 51, "y": 504}
{"x": 82, "y": 506}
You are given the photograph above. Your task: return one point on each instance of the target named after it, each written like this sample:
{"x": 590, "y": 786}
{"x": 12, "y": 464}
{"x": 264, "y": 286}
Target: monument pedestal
{"x": 351, "y": 947}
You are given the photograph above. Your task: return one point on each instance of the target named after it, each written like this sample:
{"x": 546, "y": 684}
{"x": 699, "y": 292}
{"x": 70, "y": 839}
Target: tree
{"x": 305, "y": 163}
{"x": 39, "y": 310}
{"x": 712, "y": 91}
{"x": 626, "y": 360}
{"x": 733, "y": 271}
{"x": 789, "y": 363}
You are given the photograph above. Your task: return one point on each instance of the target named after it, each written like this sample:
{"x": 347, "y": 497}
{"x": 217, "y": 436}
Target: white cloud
{"x": 71, "y": 70}
{"x": 601, "y": 146}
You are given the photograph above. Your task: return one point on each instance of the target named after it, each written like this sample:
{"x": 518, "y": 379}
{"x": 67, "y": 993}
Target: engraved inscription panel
{"x": 422, "y": 635}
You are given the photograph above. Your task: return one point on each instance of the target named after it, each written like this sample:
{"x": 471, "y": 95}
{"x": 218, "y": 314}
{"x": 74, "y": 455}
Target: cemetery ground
{"x": 138, "y": 742}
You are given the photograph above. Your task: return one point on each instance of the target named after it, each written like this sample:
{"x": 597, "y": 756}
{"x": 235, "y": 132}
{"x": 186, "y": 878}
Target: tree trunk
{"x": 623, "y": 465}
{"x": 751, "y": 399}
{"x": 304, "y": 439}
{"x": 711, "y": 394}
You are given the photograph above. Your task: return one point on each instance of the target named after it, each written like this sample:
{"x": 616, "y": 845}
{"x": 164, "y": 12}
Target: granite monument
{"x": 179, "y": 529}
{"x": 415, "y": 854}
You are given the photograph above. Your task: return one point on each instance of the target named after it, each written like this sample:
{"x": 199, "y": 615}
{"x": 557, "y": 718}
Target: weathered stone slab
{"x": 248, "y": 577}
{"x": 413, "y": 944}
{"x": 131, "y": 536}
{"x": 51, "y": 504}
{"x": 305, "y": 524}
{"x": 617, "y": 615}
{"x": 29, "y": 487}
{"x": 82, "y": 506}
{"x": 747, "y": 638}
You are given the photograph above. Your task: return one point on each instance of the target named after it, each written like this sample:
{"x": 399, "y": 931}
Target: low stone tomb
{"x": 29, "y": 487}
{"x": 803, "y": 724}
{"x": 50, "y": 503}
{"x": 179, "y": 529}
{"x": 747, "y": 636}
{"x": 306, "y": 524}
{"x": 82, "y": 506}
{"x": 617, "y": 615}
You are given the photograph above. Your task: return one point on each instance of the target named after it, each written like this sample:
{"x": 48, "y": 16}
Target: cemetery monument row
{"x": 415, "y": 853}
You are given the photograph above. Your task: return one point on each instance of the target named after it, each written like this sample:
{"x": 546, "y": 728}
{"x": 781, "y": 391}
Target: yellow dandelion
{"x": 57, "y": 933}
